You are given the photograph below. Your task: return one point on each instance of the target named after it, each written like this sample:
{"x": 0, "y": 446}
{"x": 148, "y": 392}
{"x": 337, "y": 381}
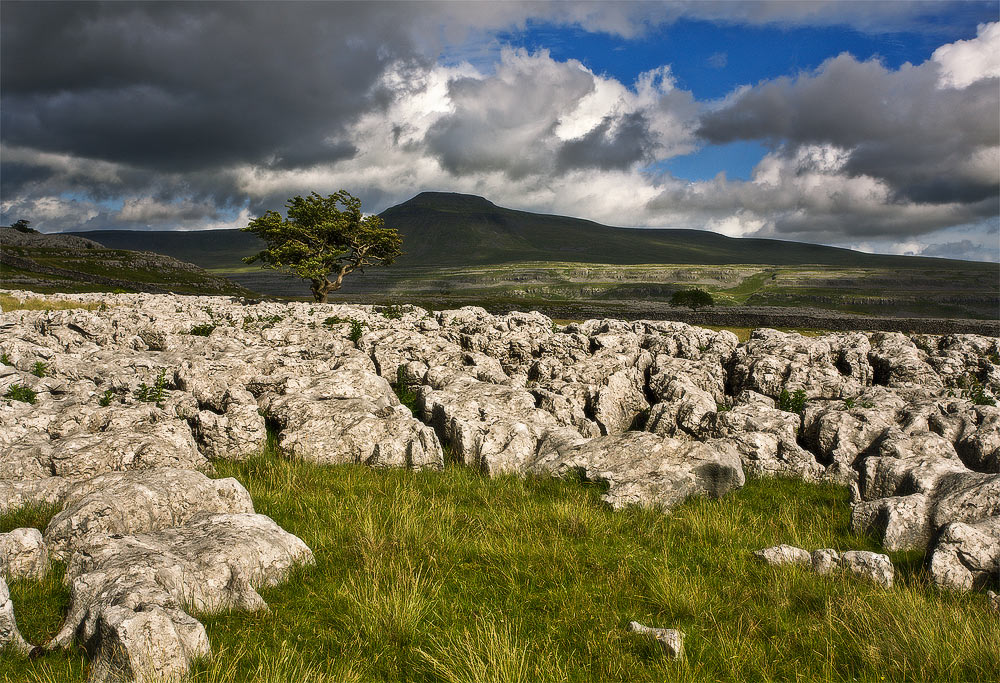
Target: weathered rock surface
{"x": 127, "y": 592}
{"x": 23, "y": 554}
{"x": 967, "y": 556}
{"x": 122, "y": 503}
{"x": 872, "y": 566}
{"x": 646, "y": 469}
{"x": 784, "y": 554}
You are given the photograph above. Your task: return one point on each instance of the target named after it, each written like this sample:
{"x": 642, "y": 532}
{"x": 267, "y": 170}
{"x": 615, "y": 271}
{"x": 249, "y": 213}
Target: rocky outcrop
{"x": 117, "y": 415}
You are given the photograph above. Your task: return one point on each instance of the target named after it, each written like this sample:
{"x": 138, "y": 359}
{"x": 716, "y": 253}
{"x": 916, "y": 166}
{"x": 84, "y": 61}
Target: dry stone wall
{"x": 116, "y": 416}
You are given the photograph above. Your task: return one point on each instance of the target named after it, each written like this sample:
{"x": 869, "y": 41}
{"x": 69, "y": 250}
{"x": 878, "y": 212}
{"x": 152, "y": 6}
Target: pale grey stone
{"x": 784, "y": 554}
{"x": 23, "y": 554}
{"x": 872, "y": 566}
{"x": 670, "y": 639}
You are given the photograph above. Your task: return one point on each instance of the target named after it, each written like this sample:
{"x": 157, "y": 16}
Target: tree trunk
{"x": 321, "y": 288}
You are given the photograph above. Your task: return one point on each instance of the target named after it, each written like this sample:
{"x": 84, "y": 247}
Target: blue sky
{"x": 866, "y": 124}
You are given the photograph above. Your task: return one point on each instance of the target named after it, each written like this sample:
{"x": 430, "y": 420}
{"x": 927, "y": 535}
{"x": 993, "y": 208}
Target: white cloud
{"x": 966, "y": 61}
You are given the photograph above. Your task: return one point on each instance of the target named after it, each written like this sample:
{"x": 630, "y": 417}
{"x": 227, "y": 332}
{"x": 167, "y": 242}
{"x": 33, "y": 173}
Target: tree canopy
{"x": 323, "y": 239}
{"x": 692, "y": 298}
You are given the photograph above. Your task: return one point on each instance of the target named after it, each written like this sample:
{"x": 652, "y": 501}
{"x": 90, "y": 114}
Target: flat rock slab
{"x": 123, "y": 503}
{"x": 648, "y": 470}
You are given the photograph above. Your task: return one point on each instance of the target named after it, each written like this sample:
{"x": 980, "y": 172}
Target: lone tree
{"x": 692, "y": 298}
{"x": 22, "y": 226}
{"x": 320, "y": 240}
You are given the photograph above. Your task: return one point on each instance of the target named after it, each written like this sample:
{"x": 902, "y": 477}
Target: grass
{"x": 451, "y": 576}
{"x": 13, "y": 303}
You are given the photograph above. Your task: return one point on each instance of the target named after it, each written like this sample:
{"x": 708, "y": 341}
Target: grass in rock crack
{"x": 451, "y": 576}
{"x": 40, "y": 606}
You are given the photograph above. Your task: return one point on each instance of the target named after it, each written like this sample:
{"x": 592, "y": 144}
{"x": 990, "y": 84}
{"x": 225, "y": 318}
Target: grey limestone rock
{"x": 967, "y": 555}
{"x": 670, "y": 640}
{"x": 645, "y": 469}
{"x": 872, "y": 566}
{"x": 784, "y": 554}
{"x": 23, "y": 554}
{"x": 123, "y": 503}
{"x": 128, "y": 592}
{"x": 825, "y": 560}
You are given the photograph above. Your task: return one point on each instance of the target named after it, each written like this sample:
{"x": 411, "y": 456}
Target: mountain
{"x": 449, "y": 229}
{"x": 456, "y": 229}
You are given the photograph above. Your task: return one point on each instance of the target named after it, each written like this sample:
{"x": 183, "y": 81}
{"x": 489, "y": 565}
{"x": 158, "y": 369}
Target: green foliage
{"x": 692, "y": 298}
{"x": 40, "y": 369}
{"x": 202, "y": 330}
{"x": 993, "y": 357}
{"x": 319, "y": 239}
{"x": 849, "y": 403}
{"x": 155, "y": 393}
{"x": 19, "y": 392}
{"x": 357, "y": 327}
{"x": 973, "y": 390}
{"x": 22, "y": 226}
{"x": 393, "y": 312}
{"x": 5, "y": 359}
{"x": 792, "y": 403}
{"x": 105, "y": 399}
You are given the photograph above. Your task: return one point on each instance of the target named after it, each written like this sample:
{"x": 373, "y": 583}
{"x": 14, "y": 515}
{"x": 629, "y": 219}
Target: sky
{"x": 869, "y": 125}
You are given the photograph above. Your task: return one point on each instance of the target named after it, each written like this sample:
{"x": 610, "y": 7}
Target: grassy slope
{"x": 119, "y": 264}
{"x": 450, "y": 576}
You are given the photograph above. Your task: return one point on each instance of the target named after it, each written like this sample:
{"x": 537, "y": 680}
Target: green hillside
{"x": 447, "y": 229}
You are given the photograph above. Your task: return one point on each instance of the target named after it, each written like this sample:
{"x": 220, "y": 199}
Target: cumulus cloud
{"x": 964, "y": 62}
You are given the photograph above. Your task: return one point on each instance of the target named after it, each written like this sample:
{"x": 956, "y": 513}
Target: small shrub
{"x": 18, "y": 392}
{"x": 40, "y": 369}
{"x": 335, "y": 320}
{"x": 973, "y": 390}
{"x": 692, "y": 298}
{"x": 393, "y": 312}
{"x": 994, "y": 358}
{"x": 152, "y": 394}
{"x": 357, "y": 329}
{"x": 792, "y": 403}
{"x": 202, "y": 330}
{"x": 5, "y": 359}
{"x": 849, "y": 403}
{"x": 105, "y": 399}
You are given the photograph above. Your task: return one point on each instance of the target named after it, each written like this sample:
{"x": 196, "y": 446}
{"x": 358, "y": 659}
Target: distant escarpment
{"x": 70, "y": 263}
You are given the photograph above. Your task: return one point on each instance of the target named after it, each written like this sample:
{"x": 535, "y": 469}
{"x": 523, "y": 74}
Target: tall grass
{"x": 451, "y": 576}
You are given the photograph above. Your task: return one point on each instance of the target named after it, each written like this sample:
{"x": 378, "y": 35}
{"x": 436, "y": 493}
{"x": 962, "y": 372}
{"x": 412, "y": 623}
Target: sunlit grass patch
{"x": 9, "y": 302}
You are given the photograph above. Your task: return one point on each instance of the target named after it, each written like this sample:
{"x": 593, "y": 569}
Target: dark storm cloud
{"x": 899, "y": 126}
{"x": 193, "y": 85}
{"x": 612, "y": 144}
